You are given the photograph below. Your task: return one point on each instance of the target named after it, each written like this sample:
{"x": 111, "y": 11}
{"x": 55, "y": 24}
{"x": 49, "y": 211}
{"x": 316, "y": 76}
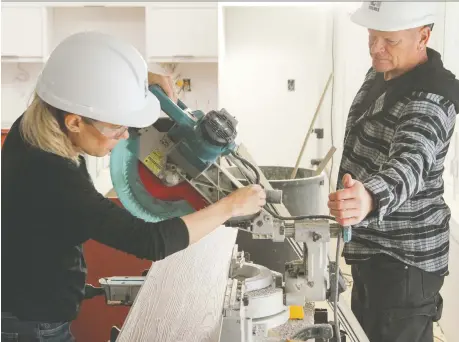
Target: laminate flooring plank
{"x": 182, "y": 297}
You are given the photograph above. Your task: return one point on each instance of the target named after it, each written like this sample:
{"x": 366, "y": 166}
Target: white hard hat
{"x": 394, "y": 15}
{"x": 100, "y": 77}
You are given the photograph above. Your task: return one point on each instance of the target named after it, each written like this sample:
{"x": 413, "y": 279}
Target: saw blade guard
{"x": 139, "y": 200}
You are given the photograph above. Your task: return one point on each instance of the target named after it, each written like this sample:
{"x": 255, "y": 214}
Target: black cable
{"x": 335, "y": 299}
{"x": 248, "y": 165}
{"x": 291, "y": 218}
{"x": 332, "y": 102}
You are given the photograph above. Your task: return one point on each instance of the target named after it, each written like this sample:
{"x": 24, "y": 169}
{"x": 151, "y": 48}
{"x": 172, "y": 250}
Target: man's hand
{"x": 165, "y": 82}
{"x": 352, "y": 204}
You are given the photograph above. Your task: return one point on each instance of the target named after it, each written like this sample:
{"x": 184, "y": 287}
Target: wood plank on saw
{"x": 182, "y": 297}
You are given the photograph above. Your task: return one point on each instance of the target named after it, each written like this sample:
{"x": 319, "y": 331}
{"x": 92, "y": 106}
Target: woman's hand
{"x": 244, "y": 201}
{"x": 165, "y": 82}
{"x": 247, "y": 200}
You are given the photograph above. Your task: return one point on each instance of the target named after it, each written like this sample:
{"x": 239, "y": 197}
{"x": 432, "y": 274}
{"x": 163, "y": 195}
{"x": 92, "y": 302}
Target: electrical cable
{"x": 335, "y": 300}
{"x": 285, "y": 218}
{"x": 332, "y": 100}
{"x": 338, "y": 244}
{"x": 248, "y": 165}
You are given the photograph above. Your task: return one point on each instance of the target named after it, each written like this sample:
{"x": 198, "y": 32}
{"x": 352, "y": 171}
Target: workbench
{"x": 182, "y": 297}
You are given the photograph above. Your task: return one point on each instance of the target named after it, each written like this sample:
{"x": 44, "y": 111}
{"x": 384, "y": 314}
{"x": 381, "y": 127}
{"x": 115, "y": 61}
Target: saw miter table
{"x": 196, "y": 152}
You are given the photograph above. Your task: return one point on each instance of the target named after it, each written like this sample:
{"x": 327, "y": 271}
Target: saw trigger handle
{"x": 274, "y": 196}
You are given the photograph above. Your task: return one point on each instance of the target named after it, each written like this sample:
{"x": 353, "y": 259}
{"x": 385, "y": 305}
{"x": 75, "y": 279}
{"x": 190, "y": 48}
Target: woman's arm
{"x": 245, "y": 201}
{"x": 89, "y": 215}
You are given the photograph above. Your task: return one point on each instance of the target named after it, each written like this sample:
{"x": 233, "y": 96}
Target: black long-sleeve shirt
{"x": 49, "y": 209}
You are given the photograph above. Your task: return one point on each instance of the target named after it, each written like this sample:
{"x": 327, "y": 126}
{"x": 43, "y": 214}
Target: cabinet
{"x": 185, "y": 32}
{"x": 23, "y": 33}
{"x": 162, "y": 32}
{"x": 127, "y": 23}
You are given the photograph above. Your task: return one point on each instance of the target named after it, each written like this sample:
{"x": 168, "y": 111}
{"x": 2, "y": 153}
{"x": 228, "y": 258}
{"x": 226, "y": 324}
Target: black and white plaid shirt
{"x": 397, "y": 137}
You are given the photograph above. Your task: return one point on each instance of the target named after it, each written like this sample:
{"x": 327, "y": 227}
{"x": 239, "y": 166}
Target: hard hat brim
{"x": 137, "y": 119}
{"x": 144, "y": 117}
{"x": 362, "y": 18}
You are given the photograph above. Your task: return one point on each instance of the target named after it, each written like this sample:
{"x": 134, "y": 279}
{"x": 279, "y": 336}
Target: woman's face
{"x": 94, "y": 137}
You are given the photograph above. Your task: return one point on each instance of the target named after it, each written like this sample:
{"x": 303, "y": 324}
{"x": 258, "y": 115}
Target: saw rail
{"x": 280, "y": 208}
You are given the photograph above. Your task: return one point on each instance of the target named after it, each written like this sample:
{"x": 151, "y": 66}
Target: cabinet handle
{"x": 10, "y": 56}
{"x": 183, "y": 56}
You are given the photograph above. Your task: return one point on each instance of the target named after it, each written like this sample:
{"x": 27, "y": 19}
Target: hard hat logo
{"x": 375, "y": 5}
{"x": 395, "y": 15}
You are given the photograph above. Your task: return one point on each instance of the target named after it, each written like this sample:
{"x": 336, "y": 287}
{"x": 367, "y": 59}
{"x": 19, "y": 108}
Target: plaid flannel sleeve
{"x": 424, "y": 128}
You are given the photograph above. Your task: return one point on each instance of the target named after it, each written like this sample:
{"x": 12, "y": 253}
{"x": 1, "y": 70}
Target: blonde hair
{"x": 43, "y": 127}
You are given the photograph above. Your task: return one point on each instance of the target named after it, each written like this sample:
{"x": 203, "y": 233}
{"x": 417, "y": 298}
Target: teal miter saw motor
{"x": 181, "y": 147}
{"x": 187, "y": 138}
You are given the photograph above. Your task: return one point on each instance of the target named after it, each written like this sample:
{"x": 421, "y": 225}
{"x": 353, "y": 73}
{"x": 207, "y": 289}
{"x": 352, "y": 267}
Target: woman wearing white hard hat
{"x": 92, "y": 88}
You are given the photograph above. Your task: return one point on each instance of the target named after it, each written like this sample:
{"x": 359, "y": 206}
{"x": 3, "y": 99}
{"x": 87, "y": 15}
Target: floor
{"x": 345, "y": 269}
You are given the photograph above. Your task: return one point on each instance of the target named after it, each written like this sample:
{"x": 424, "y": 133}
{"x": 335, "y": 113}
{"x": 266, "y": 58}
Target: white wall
{"x": 351, "y": 63}
{"x": 450, "y": 53}
{"x": 204, "y": 83}
{"x": 263, "y": 48}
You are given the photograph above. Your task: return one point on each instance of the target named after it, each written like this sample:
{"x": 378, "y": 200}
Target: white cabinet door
{"x": 182, "y": 32}
{"x": 23, "y": 31}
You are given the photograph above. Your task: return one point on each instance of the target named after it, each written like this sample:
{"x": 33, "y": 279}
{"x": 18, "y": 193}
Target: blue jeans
{"x": 14, "y": 330}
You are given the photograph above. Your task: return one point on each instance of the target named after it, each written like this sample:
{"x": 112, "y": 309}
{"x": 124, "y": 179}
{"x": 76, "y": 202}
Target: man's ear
{"x": 73, "y": 123}
{"x": 424, "y": 37}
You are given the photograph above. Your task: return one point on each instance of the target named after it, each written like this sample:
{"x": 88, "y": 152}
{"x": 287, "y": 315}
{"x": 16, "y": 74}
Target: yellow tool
{"x": 296, "y": 312}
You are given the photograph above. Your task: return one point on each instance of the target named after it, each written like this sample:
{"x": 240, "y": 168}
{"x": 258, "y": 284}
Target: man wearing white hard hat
{"x": 390, "y": 180}
{"x": 91, "y": 90}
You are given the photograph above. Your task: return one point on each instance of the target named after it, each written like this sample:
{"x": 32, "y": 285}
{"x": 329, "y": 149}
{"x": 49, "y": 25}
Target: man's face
{"x": 397, "y": 50}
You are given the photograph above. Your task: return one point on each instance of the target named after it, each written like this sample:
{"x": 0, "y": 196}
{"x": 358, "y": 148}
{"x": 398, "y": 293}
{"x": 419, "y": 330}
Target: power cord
{"x": 249, "y": 165}
{"x": 335, "y": 300}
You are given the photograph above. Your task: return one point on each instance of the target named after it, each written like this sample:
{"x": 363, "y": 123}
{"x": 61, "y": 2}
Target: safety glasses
{"x": 109, "y": 132}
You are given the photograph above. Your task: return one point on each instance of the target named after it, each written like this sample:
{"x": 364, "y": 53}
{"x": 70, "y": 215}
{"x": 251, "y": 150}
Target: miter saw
{"x": 199, "y": 151}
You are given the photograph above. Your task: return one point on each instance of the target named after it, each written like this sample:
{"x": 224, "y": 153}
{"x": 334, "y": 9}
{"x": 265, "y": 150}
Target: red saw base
{"x": 96, "y": 318}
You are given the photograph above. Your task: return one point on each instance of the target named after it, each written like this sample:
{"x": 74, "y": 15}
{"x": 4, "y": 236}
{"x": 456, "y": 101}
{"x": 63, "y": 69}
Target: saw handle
{"x": 347, "y": 234}
{"x": 176, "y": 111}
{"x": 274, "y": 196}
{"x": 160, "y": 94}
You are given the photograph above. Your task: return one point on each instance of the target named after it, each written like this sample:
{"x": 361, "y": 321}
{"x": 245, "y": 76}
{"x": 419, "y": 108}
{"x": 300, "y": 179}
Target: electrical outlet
{"x": 319, "y": 132}
{"x": 291, "y": 85}
{"x": 187, "y": 84}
